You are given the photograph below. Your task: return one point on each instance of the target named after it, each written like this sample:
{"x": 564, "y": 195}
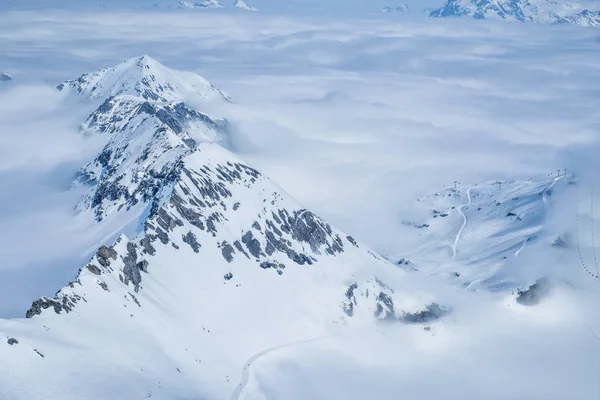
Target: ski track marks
{"x": 464, "y": 224}
{"x": 246, "y": 367}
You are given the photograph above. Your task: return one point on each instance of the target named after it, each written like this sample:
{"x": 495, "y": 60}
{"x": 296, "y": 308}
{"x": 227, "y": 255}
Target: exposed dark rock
{"x": 136, "y": 301}
{"x": 186, "y": 212}
{"x": 279, "y": 267}
{"x": 228, "y": 276}
{"x": 432, "y": 312}
{"x": 93, "y": 269}
{"x": 236, "y": 206}
{"x": 146, "y": 243}
{"x": 131, "y": 270}
{"x": 227, "y": 251}
{"x": 166, "y": 221}
{"x": 252, "y": 244}
{"x": 143, "y": 266}
{"x": 190, "y": 239}
{"x": 350, "y": 302}
{"x": 65, "y": 303}
{"x": 38, "y": 353}
{"x": 300, "y": 259}
{"x": 534, "y": 294}
{"x": 103, "y": 285}
{"x": 240, "y": 248}
{"x": 256, "y": 226}
{"x": 352, "y": 241}
{"x": 267, "y": 265}
{"x": 42, "y": 304}
{"x": 12, "y": 341}
{"x": 162, "y": 235}
{"x": 104, "y": 255}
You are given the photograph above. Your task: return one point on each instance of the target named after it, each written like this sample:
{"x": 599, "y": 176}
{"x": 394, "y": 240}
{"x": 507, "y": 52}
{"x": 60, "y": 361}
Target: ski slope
{"x": 497, "y": 223}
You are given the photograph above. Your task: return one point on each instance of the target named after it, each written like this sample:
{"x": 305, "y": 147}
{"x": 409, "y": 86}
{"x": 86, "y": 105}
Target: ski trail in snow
{"x": 518, "y": 252}
{"x": 545, "y": 199}
{"x": 464, "y": 224}
{"x": 545, "y": 195}
{"x": 246, "y": 367}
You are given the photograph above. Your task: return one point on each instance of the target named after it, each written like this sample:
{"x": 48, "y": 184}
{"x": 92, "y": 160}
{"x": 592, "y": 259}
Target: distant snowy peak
{"x": 185, "y": 4}
{"x": 146, "y": 78}
{"x": 584, "y": 13}
{"x": 401, "y": 9}
{"x": 4, "y": 77}
{"x": 243, "y": 5}
{"x": 199, "y": 4}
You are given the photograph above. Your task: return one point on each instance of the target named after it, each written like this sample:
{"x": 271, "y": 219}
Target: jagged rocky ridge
{"x": 220, "y": 249}
{"x": 537, "y": 11}
{"x": 147, "y": 141}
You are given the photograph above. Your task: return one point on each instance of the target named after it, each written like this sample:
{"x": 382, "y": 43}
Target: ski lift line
{"x": 585, "y": 268}
{"x": 593, "y": 237}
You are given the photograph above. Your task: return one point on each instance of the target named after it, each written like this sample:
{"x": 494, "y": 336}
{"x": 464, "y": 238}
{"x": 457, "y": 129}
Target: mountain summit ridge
{"x": 144, "y": 77}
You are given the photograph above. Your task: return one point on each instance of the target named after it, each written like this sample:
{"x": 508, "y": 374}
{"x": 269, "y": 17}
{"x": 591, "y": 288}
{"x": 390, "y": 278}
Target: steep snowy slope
{"x": 223, "y": 265}
{"x": 583, "y": 13}
{"x": 147, "y": 78}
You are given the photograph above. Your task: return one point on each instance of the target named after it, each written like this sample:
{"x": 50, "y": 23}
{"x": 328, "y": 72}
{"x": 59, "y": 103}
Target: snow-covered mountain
{"x": 146, "y": 78}
{"x": 583, "y": 13}
{"x": 243, "y": 5}
{"x": 199, "y": 4}
{"x": 223, "y": 263}
{"x": 4, "y": 77}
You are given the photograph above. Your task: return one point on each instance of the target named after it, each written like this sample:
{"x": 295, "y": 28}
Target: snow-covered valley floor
{"x": 467, "y": 265}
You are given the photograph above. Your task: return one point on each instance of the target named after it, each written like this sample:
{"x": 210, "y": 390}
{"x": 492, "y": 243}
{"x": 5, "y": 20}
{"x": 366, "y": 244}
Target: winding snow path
{"x": 246, "y": 367}
{"x": 464, "y": 224}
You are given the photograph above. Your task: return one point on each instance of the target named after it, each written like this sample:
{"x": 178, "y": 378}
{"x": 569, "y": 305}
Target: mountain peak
{"x": 4, "y": 77}
{"x": 147, "y": 78}
{"x": 199, "y": 4}
{"x": 243, "y": 5}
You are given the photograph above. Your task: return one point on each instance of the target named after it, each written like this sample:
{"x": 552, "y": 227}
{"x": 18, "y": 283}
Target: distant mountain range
{"x": 241, "y": 4}
{"x": 583, "y": 13}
